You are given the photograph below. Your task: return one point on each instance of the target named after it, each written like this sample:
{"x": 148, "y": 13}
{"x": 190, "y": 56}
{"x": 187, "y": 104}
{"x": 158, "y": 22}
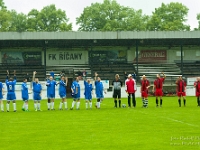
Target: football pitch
{"x": 170, "y": 127}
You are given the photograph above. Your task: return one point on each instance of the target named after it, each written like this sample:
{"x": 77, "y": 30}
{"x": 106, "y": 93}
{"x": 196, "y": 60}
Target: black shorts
{"x": 117, "y": 94}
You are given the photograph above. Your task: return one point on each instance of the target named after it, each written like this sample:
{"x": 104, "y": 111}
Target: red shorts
{"x": 181, "y": 94}
{"x": 158, "y": 92}
{"x": 144, "y": 94}
{"x": 197, "y": 94}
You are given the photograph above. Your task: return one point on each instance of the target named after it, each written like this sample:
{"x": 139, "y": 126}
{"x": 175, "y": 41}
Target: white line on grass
{"x": 171, "y": 119}
{"x": 189, "y": 124}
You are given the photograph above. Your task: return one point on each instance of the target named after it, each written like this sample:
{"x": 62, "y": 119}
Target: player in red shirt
{"x": 145, "y": 84}
{"x": 158, "y": 88}
{"x": 181, "y": 90}
{"x": 197, "y": 87}
{"x": 131, "y": 89}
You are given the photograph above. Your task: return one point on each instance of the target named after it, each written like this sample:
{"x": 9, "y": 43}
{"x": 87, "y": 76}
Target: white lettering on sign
{"x": 65, "y": 56}
{"x": 153, "y": 54}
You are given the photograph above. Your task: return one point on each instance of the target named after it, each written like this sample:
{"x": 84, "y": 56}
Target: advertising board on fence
{"x": 26, "y": 58}
{"x": 108, "y": 56}
{"x": 191, "y": 80}
{"x": 152, "y": 55}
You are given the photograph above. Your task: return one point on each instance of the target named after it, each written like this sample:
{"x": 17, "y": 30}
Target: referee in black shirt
{"x": 117, "y": 85}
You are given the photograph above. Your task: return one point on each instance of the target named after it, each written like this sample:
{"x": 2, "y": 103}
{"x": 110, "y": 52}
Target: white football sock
{"x": 98, "y": 104}
{"x": 65, "y": 104}
{"x": 52, "y": 105}
{"x": 73, "y": 103}
{"x": 14, "y": 106}
{"x": 23, "y": 105}
{"x": 8, "y": 106}
{"x": 26, "y": 106}
{"x": 38, "y": 106}
{"x": 35, "y": 105}
{"x": 77, "y": 105}
{"x": 60, "y": 105}
{"x": 48, "y": 105}
{"x": 86, "y": 105}
{"x": 90, "y": 104}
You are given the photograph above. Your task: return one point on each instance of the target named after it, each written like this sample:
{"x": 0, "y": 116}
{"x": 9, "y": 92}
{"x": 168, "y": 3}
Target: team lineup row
{"x": 51, "y": 83}
{"x": 99, "y": 91}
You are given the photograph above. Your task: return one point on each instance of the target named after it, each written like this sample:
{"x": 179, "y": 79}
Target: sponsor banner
{"x": 190, "y": 81}
{"x": 66, "y": 57}
{"x": 152, "y": 55}
{"x": 190, "y": 91}
{"x": 108, "y": 56}
{"x": 26, "y": 58}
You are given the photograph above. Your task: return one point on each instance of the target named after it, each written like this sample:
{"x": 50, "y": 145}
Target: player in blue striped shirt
{"x": 25, "y": 96}
{"x": 63, "y": 92}
{"x": 1, "y": 96}
{"x": 10, "y": 83}
{"x": 88, "y": 93}
{"x": 37, "y": 92}
{"x": 51, "y": 83}
{"x": 75, "y": 88}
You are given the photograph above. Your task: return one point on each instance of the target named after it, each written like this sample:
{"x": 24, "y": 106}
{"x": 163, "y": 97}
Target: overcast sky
{"x": 74, "y": 8}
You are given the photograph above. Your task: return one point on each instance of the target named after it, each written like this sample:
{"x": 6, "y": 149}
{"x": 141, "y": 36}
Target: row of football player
{"x": 51, "y": 83}
{"x": 75, "y": 87}
{"x": 158, "y": 90}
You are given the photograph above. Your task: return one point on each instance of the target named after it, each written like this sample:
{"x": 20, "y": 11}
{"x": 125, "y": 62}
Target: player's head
{"x": 36, "y": 80}
{"x": 10, "y": 79}
{"x": 99, "y": 79}
{"x": 88, "y": 81}
{"x": 129, "y": 76}
{"x": 180, "y": 78}
{"x": 117, "y": 76}
{"x": 77, "y": 79}
{"x": 144, "y": 77}
{"x": 158, "y": 76}
{"x": 50, "y": 78}
{"x": 25, "y": 80}
{"x": 63, "y": 78}
{"x": 198, "y": 78}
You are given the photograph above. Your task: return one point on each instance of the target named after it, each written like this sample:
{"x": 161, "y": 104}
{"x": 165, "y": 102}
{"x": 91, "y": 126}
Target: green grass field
{"x": 169, "y": 127}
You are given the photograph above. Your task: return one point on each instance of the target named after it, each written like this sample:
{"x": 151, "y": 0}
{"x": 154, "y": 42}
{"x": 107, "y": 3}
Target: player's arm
{"x": 95, "y": 76}
{"x": 135, "y": 86}
{"x": 34, "y": 73}
{"x": 76, "y": 90}
{"x": 154, "y": 86}
{"x": 47, "y": 83}
{"x": 24, "y": 86}
{"x": 195, "y": 84}
{"x": 40, "y": 90}
{"x": 164, "y": 76}
{"x": 7, "y": 76}
{"x": 104, "y": 89}
{"x": 3, "y": 90}
{"x": 15, "y": 77}
{"x": 66, "y": 81}
{"x": 148, "y": 84}
{"x": 121, "y": 83}
{"x": 185, "y": 86}
{"x": 72, "y": 88}
{"x": 126, "y": 88}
